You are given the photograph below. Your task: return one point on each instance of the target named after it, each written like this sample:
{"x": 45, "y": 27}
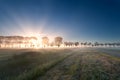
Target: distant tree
{"x": 85, "y": 43}
{"x": 82, "y": 43}
{"x": 76, "y": 43}
{"x": 58, "y": 41}
{"x": 106, "y": 44}
{"x": 89, "y": 44}
{"x": 101, "y": 44}
{"x": 118, "y": 44}
{"x": 51, "y": 44}
{"x": 96, "y": 44}
{"x": 0, "y": 42}
{"x": 66, "y": 44}
{"x": 71, "y": 44}
{"x": 110, "y": 44}
{"x": 114, "y": 44}
{"x": 45, "y": 41}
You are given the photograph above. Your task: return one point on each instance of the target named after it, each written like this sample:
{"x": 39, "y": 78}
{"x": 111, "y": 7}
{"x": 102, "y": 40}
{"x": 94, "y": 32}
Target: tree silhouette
{"x": 89, "y": 44}
{"x": 45, "y": 41}
{"x": 76, "y": 43}
{"x": 85, "y": 43}
{"x": 58, "y": 41}
{"x": 66, "y": 44}
{"x": 96, "y": 44}
{"x": 51, "y": 44}
{"x": 82, "y": 43}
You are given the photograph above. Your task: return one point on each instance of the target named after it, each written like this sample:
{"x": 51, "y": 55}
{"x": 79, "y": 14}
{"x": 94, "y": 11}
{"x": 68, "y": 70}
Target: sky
{"x": 74, "y": 20}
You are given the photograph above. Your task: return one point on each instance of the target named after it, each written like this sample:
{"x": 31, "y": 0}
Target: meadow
{"x": 58, "y": 64}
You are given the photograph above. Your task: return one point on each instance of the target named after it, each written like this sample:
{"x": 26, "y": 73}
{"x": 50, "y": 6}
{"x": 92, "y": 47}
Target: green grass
{"x": 96, "y": 66}
{"x": 30, "y": 64}
{"x": 40, "y": 70}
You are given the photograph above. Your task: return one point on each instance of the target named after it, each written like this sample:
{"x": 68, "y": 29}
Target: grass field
{"x": 58, "y": 64}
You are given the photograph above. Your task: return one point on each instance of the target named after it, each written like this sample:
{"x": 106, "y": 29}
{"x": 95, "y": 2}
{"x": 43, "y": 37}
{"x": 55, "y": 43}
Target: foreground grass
{"x": 86, "y": 65}
{"x": 40, "y": 70}
{"x": 29, "y": 64}
{"x": 94, "y": 66}
{"x": 59, "y": 64}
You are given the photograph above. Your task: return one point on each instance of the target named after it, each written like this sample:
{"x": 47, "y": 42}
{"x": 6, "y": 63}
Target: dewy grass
{"x": 94, "y": 74}
{"x": 74, "y": 67}
{"x": 27, "y": 61}
{"x": 111, "y": 57}
{"x": 87, "y": 66}
{"x": 40, "y": 70}
{"x": 114, "y": 69}
{"x": 91, "y": 68}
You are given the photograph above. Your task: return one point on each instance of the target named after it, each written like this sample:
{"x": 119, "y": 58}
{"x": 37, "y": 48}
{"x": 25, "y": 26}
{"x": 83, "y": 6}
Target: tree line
{"x": 58, "y": 42}
{"x": 11, "y": 41}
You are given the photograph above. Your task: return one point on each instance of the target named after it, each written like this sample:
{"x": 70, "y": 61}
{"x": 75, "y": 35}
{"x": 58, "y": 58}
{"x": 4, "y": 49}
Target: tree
{"x": 85, "y": 43}
{"x": 96, "y": 44}
{"x": 66, "y": 44}
{"x": 109, "y": 44}
{"x": 76, "y": 43}
{"x": 70, "y": 44}
{"x": 58, "y": 41}
{"x": 51, "y": 44}
{"x": 82, "y": 43}
{"x": 45, "y": 41}
{"x": 118, "y": 44}
{"x": 106, "y": 44}
{"x": 89, "y": 44}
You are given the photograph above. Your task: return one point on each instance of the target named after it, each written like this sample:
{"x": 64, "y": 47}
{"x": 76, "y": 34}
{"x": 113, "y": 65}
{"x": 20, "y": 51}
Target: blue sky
{"x": 75, "y": 20}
